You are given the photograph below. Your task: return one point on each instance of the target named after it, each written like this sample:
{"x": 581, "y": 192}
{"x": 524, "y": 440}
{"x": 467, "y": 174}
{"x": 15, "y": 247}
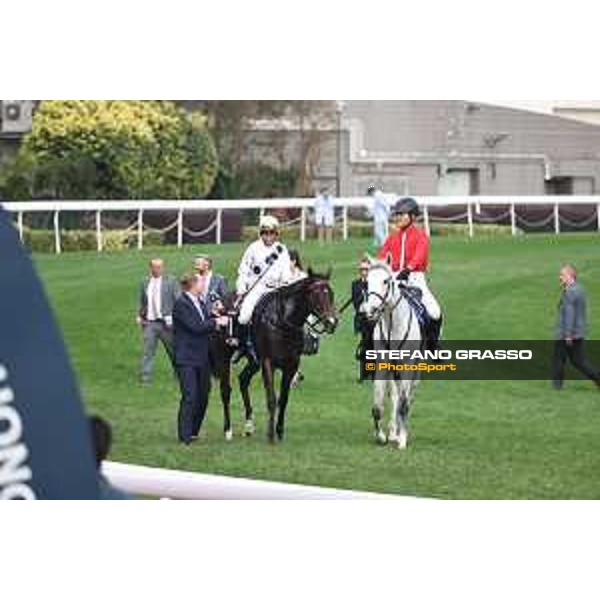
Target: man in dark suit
{"x": 215, "y": 285}
{"x": 361, "y": 325}
{"x": 192, "y": 324}
{"x": 571, "y": 330}
{"x": 158, "y": 293}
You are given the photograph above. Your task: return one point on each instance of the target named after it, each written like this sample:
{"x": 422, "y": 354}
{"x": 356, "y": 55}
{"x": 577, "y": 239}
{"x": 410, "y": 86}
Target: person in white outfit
{"x": 265, "y": 266}
{"x": 324, "y": 216}
{"x": 379, "y": 209}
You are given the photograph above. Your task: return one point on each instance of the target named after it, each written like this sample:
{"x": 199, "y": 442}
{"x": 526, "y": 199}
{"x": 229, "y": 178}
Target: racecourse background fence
{"x": 472, "y": 211}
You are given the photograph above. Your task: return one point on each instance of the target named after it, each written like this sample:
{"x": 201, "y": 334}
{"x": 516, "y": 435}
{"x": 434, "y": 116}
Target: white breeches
{"x": 250, "y": 301}
{"x": 418, "y": 280}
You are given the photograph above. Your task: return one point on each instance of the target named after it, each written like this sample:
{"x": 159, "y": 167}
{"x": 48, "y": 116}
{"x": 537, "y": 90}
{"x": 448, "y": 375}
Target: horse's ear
{"x": 368, "y": 258}
{"x": 310, "y": 273}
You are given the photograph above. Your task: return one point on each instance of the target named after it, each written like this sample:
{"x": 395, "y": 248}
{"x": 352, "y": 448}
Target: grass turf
{"x": 469, "y": 439}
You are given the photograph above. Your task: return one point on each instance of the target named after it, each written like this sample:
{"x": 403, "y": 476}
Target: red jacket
{"x": 416, "y": 249}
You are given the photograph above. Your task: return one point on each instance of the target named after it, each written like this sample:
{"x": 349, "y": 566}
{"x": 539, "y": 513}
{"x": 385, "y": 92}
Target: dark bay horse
{"x": 278, "y": 332}
{"x": 221, "y": 352}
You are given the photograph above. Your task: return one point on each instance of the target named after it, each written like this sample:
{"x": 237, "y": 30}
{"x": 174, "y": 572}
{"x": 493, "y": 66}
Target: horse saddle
{"x": 259, "y": 308}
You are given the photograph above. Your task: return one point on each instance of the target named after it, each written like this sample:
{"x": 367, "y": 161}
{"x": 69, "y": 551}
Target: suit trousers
{"x": 573, "y": 353}
{"x": 194, "y": 382}
{"x": 152, "y": 332}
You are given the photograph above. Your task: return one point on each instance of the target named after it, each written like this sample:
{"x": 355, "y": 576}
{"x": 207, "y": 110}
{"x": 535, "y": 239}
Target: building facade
{"x": 465, "y": 148}
{"x": 418, "y": 147}
{"x": 15, "y": 121}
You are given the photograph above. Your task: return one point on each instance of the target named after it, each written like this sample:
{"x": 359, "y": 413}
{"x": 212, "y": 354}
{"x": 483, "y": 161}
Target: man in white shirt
{"x": 158, "y": 293}
{"x": 324, "y": 216}
{"x": 264, "y": 266}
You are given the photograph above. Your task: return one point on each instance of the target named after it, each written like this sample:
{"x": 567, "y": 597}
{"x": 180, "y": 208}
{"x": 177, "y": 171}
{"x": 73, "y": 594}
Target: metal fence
{"x": 472, "y": 210}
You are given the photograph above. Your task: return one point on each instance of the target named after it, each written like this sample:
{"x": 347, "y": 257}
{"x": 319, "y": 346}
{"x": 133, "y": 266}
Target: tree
{"x": 117, "y": 149}
{"x": 231, "y": 121}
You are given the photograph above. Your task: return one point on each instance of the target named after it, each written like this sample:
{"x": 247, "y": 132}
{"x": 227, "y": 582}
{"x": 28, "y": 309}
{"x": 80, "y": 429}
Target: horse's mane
{"x": 380, "y": 264}
{"x": 299, "y": 285}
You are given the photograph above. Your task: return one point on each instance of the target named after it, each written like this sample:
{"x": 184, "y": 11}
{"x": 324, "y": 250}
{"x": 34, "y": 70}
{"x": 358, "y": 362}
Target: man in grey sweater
{"x": 571, "y": 330}
{"x": 158, "y": 293}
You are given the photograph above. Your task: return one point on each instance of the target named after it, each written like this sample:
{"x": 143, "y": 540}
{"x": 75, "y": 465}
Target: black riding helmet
{"x": 406, "y": 206}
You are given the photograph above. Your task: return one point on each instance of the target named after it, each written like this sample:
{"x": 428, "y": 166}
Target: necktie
{"x": 200, "y": 307}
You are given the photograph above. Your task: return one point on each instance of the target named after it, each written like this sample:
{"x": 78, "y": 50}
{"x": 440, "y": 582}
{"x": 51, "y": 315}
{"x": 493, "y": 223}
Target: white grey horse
{"x": 396, "y": 328}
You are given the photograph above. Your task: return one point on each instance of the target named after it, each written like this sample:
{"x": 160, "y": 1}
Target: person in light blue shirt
{"x": 379, "y": 209}
{"x": 325, "y": 216}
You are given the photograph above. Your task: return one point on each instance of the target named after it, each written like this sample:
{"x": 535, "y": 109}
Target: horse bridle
{"x": 378, "y": 312}
{"x": 320, "y": 326}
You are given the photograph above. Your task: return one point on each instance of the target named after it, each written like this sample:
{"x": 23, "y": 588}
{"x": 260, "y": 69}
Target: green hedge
{"x": 42, "y": 240}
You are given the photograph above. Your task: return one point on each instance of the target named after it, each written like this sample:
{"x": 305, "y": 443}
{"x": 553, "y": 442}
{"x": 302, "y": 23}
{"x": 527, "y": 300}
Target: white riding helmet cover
{"x": 269, "y": 223}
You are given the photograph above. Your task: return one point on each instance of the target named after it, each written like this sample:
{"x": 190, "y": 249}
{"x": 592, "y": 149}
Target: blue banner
{"x": 45, "y": 449}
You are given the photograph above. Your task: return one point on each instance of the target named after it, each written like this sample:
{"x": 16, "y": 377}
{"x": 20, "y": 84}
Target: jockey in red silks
{"x": 408, "y": 248}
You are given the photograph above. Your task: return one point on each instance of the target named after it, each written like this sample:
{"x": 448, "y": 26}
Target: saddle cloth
{"x": 414, "y": 296}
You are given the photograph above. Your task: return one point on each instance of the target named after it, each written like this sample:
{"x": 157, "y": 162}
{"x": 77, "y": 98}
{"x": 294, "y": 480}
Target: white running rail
{"x": 180, "y": 485}
{"x": 471, "y": 205}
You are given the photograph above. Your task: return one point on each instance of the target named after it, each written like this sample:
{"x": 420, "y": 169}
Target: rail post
{"x": 140, "y": 229}
{"x": 513, "y": 219}
{"x": 219, "y": 225}
{"x": 426, "y": 220}
{"x": 470, "y": 219}
{"x": 99, "y": 230}
{"x": 57, "y": 247}
{"x": 180, "y": 228}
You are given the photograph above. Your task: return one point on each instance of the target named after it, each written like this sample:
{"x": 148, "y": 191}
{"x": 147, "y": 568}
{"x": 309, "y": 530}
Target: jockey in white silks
{"x": 379, "y": 210}
{"x": 265, "y": 266}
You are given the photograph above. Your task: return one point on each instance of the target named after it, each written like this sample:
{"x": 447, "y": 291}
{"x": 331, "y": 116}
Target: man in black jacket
{"x": 191, "y": 325}
{"x": 361, "y": 325}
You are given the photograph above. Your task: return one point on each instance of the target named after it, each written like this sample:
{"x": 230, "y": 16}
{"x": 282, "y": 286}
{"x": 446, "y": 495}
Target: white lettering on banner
{"x": 18, "y": 491}
{"x": 14, "y": 471}
{"x": 12, "y": 467}
{"x": 11, "y": 427}
{"x": 447, "y": 355}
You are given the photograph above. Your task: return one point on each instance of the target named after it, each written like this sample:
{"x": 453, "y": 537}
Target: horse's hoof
{"x": 393, "y": 437}
{"x": 229, "y": 435}
{"x": 381, "y": 438}
{"x": 402, "y": 441}
{"x": 249, "y": 428}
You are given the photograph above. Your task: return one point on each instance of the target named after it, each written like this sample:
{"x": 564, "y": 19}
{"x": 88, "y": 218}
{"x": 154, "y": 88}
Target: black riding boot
{"x": 432, "y": 332}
